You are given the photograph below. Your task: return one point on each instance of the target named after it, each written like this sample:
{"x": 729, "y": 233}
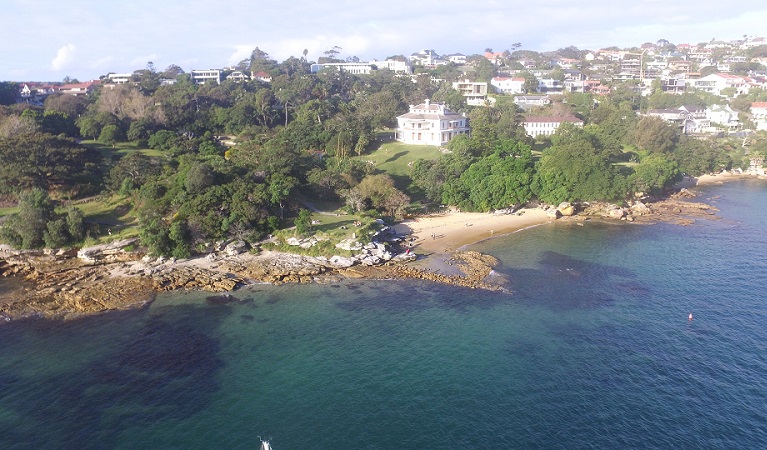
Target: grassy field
{"x": 108, "y": 217}
{"x": 394, "y": 157}
{"x": 8, "y": 211}
{"x": 120, "y": 149}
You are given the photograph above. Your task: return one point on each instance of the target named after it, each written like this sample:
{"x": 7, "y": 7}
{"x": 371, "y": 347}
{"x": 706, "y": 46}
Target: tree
{"x": 260, "y": 61}
{"x": 483, "y": 68}
{"x": 531, "y": 82}
{"x": 303, "y": 222}
{"x": 109, "y": 135}
{"x": 452, "y": 98}
{"x": 26, "y": 229}
{"x": 576, "y": 169}
{"x": 655, "y": 135}
{"x": 379, "y": 190}
{"x": 36, "y": 159}
{"x": 496, "y": 181}
{"x": 8, "y": 92}
{"x": 135, "y": 167}
{"x": 654, "y": 174}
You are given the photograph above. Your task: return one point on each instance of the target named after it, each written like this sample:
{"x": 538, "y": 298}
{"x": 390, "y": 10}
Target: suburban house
{"x": 456, "y": 58}
{"x": 120, "y": 78}
{"x": 689, "y": 119}
{"x": 547, "y": 125}
{"x": 509, "y": 85}
{"x": 693, "y": 119}
{"x": 261, "y": 76}
{"x": 430, "y": 124}
{"x": 550, "y": 85}
{"x": 425, "y": 58}
{"x": 394, "y": 65}
{"x": 724, "y": 116}
{"x": 716, "y": 82}
{"x": 474, "y": 91}
{"x": 203, "y": 76}
{"x": 598, "y": 88}
{"x": 759, "y": 114}
{"x": 238, "y": 76}
{"x": 35, "y": 93}
{"x": 355, "y": 68}
{"x": 528, "y": 101}
{"x": 78, "y": 89}
{"x": 494, "y": 57}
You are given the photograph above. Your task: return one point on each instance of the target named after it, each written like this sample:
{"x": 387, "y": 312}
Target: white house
{"x": 550, "y": 85}
{"x": 689, "y": 119}
{"x": 759, "y": 114}
{"x": 238, "y": 76}
{"x": 430, "y": 124}
{"x": 120, "y": 78}
{"x": 456, "y": 58}
{"x": 356, "y": 68}
{"x": 526, "y": 101}
{"x": 394, "y": 65}
{"x": 425, "y": 58}
{"x": 546, "y": 125}
{"x": 509, "y": 85}
{"x": 716, "y": 82}
{"x": 723, "y": 115}
{"x": 203, "y": 76}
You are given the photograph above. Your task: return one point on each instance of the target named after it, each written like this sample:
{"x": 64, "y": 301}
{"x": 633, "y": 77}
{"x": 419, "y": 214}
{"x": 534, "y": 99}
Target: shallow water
{"x": 592, "y": 349}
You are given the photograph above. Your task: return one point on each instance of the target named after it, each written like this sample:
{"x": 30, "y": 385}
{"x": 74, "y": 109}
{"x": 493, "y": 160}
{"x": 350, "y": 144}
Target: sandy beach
{"x": 444, "y": 233}
{"x": 717, "y": 178}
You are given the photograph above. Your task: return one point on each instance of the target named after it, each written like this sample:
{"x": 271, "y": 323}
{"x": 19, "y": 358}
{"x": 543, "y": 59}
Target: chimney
{"x": 426, "y": 102}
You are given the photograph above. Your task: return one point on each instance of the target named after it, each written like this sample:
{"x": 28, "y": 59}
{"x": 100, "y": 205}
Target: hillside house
{"x": 724, "y": 116}
{"x": 547, "y": 125}
{"x": 78, "y": 89}
{"x": 509, "y": 85}
{"x": 203, "y": 76}
{"x": 688, "y": 119}
{"x": 759, "y": 115}
{"x": 355, "y": 68}
{"x": 430, "y": 124}
{"x": 475, "y": 92}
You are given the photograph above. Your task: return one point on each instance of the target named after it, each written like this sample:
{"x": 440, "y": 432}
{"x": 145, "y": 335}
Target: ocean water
{"x": 592, "y": 349}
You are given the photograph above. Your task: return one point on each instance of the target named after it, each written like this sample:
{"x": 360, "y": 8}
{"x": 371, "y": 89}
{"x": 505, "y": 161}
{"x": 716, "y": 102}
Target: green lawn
{"x": 8, "y": 211}
{"x": 121, "y": 149}
{"x": 394, "y": 157}
{"x": 107, "y": 214}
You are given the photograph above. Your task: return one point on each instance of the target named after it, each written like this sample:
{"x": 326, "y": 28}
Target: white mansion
{"x": 430, "y": 124}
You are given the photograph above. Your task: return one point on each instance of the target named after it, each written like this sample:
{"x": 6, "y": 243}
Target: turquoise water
{"x": 592, "y": 349}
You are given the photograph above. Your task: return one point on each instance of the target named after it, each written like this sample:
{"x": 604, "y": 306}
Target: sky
{"x": 47, "y": 40}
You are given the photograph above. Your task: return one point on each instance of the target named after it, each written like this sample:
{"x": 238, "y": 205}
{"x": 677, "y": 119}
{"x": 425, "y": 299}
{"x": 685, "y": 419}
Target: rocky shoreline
{"x": 67, "y": 285}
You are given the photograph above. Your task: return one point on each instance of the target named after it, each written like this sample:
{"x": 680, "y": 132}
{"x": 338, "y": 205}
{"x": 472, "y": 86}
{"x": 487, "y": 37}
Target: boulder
{"x": 341, "y": 262}
{"x": 553, "y": 213}
{"x": 640, "y": 209}
{"x": 616, "y": 212}
{"x": 236, "y": 247}
{"x": 566, "y": 209}
{"x": 349, "y": 245}
{"x": 105, "y": 252}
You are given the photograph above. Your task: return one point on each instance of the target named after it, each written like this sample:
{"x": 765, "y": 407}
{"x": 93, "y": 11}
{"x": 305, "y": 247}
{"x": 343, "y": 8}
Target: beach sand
{"x": 439, "y": 234}
{"x": 718, "y": 178}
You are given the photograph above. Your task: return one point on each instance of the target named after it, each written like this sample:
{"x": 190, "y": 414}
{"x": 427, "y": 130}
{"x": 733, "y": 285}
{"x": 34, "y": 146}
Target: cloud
{"x": 103, "y": 63}
{"x": 143, "y": 60}
{"x": 64, "y": 57}
{"x": 240, "y": 52}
